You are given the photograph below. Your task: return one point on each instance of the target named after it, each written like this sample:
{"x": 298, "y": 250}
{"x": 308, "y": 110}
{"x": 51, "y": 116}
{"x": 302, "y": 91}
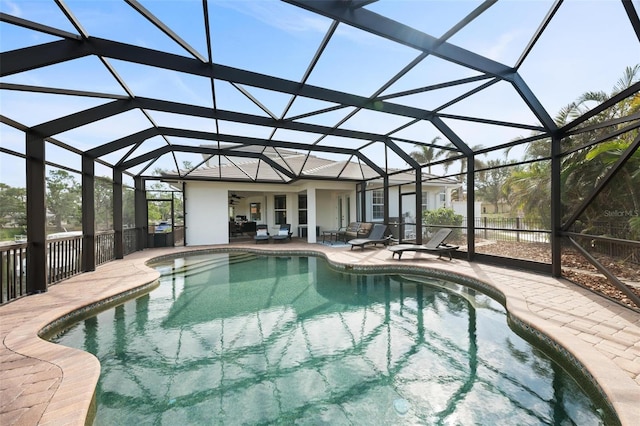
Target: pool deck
{"x": 42, "y": 383}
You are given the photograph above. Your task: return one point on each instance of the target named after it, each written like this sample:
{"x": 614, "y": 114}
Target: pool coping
{"x": 551, "y": 309}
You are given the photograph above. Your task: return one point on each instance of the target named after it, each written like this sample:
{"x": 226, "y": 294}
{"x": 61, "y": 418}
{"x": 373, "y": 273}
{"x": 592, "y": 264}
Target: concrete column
{"x": 311, "y": 215}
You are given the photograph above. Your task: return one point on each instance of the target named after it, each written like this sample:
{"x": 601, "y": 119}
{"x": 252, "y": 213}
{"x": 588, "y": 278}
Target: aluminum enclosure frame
{"x": 81, "y": 44}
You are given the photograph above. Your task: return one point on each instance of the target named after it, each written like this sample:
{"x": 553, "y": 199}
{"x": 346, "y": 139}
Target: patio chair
{"x": 435, "y": 245}
{"x": 284, "y": 233}
{"x": 262, "y": 233}
{"x": 377, "y": 236}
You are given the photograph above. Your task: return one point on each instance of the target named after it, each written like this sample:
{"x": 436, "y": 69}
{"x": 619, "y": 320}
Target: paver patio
{"x": 46, "y": 384}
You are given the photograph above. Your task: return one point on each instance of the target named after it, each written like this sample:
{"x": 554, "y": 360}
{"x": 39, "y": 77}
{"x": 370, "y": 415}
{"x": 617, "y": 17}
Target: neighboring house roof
{"x": 427, "y": 179}
{"x": 258, "y": 167}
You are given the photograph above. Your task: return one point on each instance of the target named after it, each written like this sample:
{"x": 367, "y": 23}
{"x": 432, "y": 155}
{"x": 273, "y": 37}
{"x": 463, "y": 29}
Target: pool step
{"x": 209, "y": 263}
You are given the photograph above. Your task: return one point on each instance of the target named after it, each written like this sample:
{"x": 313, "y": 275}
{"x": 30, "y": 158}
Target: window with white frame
{"x": 377, "y": 204}
{"x": 302, "y": 209}
{"x": 280, "y": 209}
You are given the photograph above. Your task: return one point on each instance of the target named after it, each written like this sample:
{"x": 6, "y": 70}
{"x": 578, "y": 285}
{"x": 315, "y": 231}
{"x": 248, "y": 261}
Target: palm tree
{"x": 581, "y": 169}
{"x": 427, "y": 153}
{"x": 477, "y": 163}
{"x": 530, "y": 189}
{"x": 490, "y": 185}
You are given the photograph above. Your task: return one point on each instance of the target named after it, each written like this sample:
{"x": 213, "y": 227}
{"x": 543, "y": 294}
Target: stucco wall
{"x": 207, "y": 220}
{"x": 207, "y": 206}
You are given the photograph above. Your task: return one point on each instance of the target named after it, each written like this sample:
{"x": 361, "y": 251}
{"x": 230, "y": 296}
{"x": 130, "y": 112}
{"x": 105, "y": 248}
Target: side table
{"x": 331, "y": 233}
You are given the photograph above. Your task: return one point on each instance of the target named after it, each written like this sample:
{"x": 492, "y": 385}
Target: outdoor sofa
{"x": 354, "y": 230}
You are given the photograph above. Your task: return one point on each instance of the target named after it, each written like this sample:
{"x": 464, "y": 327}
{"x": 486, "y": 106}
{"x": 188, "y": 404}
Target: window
{"x": 280, "y": 209}
{"x": 255, "y": 212}
{"x": 377, "y": 204}
{"x": 425, "y": 202}
{"x": 443, "y": 197}
{"x": 302, "y": 209}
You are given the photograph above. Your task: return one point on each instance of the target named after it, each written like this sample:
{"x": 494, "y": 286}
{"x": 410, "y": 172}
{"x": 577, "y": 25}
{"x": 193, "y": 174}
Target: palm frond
{"x": 630, "y": 76}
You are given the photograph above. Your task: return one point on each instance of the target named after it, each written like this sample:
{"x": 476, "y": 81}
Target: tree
{"x": 103, "y": 203}
{"x": 477, "y": 163}
{"x": 584, "y": 167}
{"x": 13, "y": 210}
{"x": 490, "y": 184}
{"x": 161, "y": 210}
{"x": 530, "y": 188}
{"x": 581, "y": 169}
{"x": 63, "y": 198}
{"x": 427, "y": 154}
{"x": 128, "y": 207}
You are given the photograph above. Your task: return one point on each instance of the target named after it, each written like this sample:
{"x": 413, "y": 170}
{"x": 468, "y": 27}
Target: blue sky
{"x": 586, "y": 48}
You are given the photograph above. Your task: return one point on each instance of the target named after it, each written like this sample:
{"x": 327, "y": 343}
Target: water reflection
{"x": 239, "y": 339}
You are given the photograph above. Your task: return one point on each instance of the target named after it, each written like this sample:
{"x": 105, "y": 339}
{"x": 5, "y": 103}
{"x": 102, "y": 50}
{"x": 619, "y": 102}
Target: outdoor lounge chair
{"x": 283, "y": 234}
{"x": 435, "y": 245}
{"x": 376, "y": 236}
{"x": 262, "y": 233}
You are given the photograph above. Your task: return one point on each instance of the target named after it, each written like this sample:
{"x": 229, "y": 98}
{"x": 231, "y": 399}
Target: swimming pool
{"x": 245, "y": 339}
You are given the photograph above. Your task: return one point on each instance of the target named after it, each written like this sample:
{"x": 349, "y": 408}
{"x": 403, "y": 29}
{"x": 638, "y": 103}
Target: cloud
{"x": 279, "y": 15}
{"x": 501, "y": 49}
{"x": 11, "y": 8}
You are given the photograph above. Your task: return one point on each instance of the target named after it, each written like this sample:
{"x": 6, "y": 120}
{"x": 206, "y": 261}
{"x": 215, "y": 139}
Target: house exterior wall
{"x": 489, "y": 208}
{"x": 208, "y": 213}
{"x": 460, "y": 207}
{"x": 207, "y": 218}
{"x": 327, "y": 212}
{"x": 432, "y": 193}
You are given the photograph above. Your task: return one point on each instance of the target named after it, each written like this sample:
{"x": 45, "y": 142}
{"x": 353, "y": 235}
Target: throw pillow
{"x": 261, "y": 232}
{"x": 283, "y": 232}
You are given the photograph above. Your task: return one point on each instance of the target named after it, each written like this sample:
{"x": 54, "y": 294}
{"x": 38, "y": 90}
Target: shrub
{"x": 9, "y": 234}
{"x": 442, "y": 217}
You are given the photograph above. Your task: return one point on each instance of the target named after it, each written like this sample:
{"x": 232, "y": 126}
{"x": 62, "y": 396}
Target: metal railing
{"x": 64, "y": 258}
{"x": 13, "y": 267}
{"x": 609, "y": 238}
{"x": 130, "y": 237}
{"x": 496, "y": 229}
{"x": 621, "y": 249}
{"x": 64, "y": 254}
{"x": 512, "y": 229}
{"x": 105, "y": 246}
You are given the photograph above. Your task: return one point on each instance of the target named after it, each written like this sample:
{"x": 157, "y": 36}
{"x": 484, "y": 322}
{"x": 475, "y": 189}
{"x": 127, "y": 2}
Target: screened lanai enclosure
{"x": 525, "y": 113}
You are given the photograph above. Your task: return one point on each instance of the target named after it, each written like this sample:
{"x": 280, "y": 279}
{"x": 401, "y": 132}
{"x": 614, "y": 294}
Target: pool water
{"x": 244, "y": 339}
